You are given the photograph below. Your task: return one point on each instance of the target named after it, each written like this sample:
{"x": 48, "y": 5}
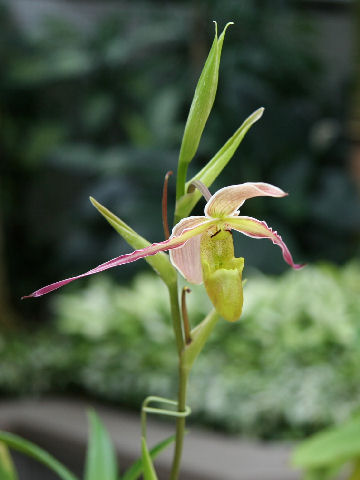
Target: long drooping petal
{"x": 256, "y": 229}
{"x": 228, "y": 200}
{"x": 172, "y": 242}
{"x": 187, "y": 257}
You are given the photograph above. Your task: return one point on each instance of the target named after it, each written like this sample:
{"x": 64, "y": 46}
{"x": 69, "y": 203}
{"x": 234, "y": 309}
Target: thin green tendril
{"x": 160, "y": 411}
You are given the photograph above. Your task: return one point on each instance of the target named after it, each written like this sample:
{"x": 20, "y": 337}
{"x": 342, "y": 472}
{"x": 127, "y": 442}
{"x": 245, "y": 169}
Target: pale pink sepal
{"x": 172, "y": 242}
{"x": 187, "y": 257}
{"x": 256, "y": 229}
{"x": 228, "y": 200}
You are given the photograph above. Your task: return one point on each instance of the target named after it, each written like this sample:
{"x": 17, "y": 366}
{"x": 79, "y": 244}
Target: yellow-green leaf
{"x": 215, "y": 166}
{"x": 331, "y": 446}
{"x": 101, "y": 457}
{"x": 201, "y": 106}
{"x": 148, "y": 467}
{"x": 159, "y": 262}
{"x": 7, "y": 469}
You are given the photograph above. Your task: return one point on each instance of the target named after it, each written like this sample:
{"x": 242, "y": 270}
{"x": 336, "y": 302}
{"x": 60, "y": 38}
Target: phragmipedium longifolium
{"x": 200, "y": 249}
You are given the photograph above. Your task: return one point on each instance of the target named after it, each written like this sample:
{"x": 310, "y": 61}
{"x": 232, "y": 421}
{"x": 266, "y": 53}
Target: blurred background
{"x": 94, "y": 96}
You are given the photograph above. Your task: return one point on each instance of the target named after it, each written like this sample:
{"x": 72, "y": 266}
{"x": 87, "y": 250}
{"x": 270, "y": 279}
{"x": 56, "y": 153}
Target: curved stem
{"x": 180, "y": 422}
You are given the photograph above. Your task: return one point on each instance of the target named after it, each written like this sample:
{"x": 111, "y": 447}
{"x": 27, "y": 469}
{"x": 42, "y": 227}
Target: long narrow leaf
{"x": 334, "y": 445}
{"x": 215, "y": 166}
{"x": 7, "y": 469}
{"x": 101, "y": 460}
{"x": 201, "y": 106}
{"x": 28, "y": 448}
{"x": 159, "y": 262}
{"x": 134, "y": 472}
{"x": 149, "y": 470}
{"x": 199, "y": 336}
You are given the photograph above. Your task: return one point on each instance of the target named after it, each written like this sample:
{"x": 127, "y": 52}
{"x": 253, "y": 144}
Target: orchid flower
{"x": 202, "y": 250}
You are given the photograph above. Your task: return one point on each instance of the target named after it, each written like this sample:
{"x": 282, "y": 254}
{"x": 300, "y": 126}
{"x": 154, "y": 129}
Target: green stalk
{"x": 180, "y": 421}
{"x": 181, "y": 180}
{"x": 176, "y": 316}
{"x": 183, "y": 378}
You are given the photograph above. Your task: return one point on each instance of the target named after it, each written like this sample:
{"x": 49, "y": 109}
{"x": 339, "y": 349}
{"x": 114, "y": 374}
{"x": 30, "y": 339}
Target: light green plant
{"x": 325, "y": 454}
{"x": 201, "y": 249}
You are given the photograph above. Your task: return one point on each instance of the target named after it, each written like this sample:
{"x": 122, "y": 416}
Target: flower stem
{"x": 185, "y": 316}
{"x": 180, "y": 422}
{"x": 164, "y": 203}
{"x": 181, "y": 180}
{"x": 176, "y": 316}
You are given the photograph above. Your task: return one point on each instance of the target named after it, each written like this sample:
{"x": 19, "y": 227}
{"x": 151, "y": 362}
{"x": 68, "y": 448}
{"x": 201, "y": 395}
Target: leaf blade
{"x": 208, "y": 174}
{"x": 101, "y": 457}
{"x": 134, "y": 472}
{"x": 149, "y": 470}
{"x": 200, "y": 109}
{"x": 28, "y": 448}
{"x": 7, "y": 469}
{"x": 159, "y": 262}
{"x": 331, "y": 446}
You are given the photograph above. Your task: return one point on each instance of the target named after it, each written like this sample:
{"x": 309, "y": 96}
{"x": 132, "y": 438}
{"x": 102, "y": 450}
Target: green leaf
{"x": 214, "y": 167}
{"x": 134, "y": 472}
{"x": 7, "y": 469}
{"x": 101, "y": 457}
{"x": 329, "y": 447}
{"x": 201, "y": 106}
{"x": 159, "y": 262}
{"x": 326, "y": 473}
{"x": 149, "y": 471}
{"x": 28, "y": 448}
{"x": 199, "y": 336}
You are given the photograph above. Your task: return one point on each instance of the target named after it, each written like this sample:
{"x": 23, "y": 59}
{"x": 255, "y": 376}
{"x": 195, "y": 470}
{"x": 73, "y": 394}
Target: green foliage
{"x": 326, "y": 452}
{"x": 332, "y": 446}
{"x": 148, "y": 467}
{"x": 24, "y": 446}
{"x": 7, "y": 469}
{"x": 159, "y": 262}
{"x": 288, "y": 367}
{"x": 214, "y": 167}
{"x": 200, "y": 109}
{"x": 101, "y": 457}
{"x": 134, "y": 472}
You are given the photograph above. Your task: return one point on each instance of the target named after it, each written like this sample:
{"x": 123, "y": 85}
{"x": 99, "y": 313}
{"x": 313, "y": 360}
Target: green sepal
{"x": 201, "y": 106}
{"x": 159, "y": 262}
{"x": 7, "y": 469}
{"x": 214, "y": 167}
{"x": 134, "y": 472}
{"x": 30, "y": 449}
{"x": 100, "y": 457}
{"x": 222, "y": 273}
{"x": 199, "y": 336}
{"x": 148, "y": 467}
{"x": 332, "y": 446}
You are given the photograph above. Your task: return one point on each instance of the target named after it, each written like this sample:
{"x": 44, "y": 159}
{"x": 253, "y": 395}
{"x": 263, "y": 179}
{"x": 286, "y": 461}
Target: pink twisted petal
{"x": 256, "y": 229}
{"x": 172, "y": 242}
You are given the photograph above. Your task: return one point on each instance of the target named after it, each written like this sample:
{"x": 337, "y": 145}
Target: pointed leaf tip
{"x": 101, "y": 459}
{"x": 216, "y": 28}
{"x": 227, "y": 26}
{"x": 259, "y": 113}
